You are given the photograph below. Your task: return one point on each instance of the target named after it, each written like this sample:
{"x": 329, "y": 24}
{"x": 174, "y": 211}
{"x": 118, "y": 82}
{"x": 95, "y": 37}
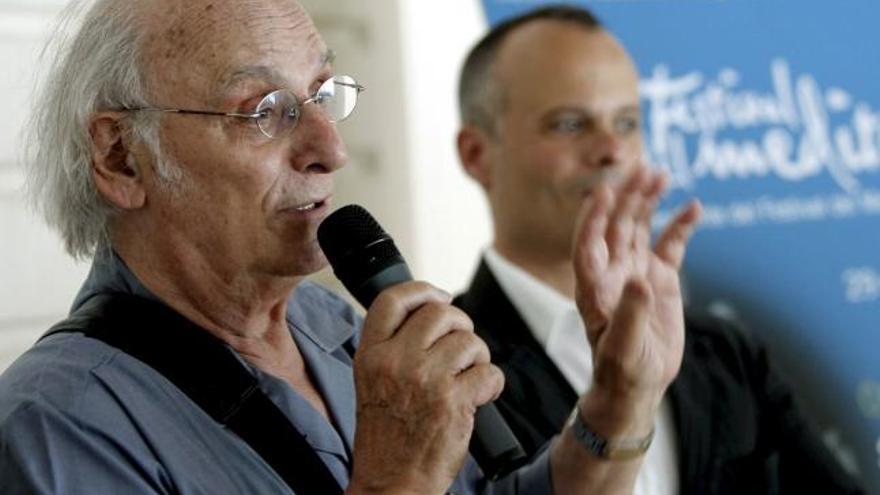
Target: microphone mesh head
{"x": 363, "y": 256}
{"x": 350, "y": 229}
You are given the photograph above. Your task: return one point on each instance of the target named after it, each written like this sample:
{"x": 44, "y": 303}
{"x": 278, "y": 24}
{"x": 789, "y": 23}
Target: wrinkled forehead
{"x": 208, "y": 44}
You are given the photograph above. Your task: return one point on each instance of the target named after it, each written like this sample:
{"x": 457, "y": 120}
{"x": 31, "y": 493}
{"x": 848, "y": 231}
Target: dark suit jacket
{"x": 740, "y": 430}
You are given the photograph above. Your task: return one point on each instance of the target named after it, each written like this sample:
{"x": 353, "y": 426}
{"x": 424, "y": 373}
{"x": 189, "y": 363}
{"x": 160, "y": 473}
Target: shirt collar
{"x": 110, "y": 274}
{"x": 542, "y": 307}
{"x": 322, "y": 316}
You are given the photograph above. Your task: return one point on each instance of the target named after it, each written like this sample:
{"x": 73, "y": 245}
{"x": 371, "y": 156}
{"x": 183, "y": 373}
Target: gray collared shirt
{"x": 80, "y": 417}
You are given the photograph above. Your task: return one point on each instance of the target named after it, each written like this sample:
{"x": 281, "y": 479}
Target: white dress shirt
{"x": 557, "y": 325}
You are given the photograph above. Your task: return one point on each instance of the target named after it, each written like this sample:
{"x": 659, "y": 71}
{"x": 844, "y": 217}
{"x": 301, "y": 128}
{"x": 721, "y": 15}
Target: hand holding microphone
{"x": 420, "y": 371}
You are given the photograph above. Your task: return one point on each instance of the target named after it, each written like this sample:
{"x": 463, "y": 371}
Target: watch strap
{"x": 615, "y": 449}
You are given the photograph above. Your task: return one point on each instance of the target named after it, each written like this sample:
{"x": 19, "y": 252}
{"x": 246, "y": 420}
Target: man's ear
{"x": 475, "y": 155}
{"x": 114, "y": 170}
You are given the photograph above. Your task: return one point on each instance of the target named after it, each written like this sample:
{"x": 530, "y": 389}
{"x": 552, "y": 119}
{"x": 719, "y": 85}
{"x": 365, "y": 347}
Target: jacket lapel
{"x": 531, "y": 376}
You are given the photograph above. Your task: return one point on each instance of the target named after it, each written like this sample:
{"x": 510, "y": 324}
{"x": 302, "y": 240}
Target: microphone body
{"x": 366, "y": 261}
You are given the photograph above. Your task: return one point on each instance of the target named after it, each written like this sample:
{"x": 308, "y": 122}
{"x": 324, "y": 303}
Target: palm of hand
{"x": 628, "y": 293}
{"x": 651, "y": 357}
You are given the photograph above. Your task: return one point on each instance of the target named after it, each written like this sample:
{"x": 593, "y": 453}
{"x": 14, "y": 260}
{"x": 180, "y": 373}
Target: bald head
{"x": 557, "y": 57}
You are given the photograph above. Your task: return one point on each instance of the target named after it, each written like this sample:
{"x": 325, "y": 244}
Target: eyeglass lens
{"x": 280, "y": 110}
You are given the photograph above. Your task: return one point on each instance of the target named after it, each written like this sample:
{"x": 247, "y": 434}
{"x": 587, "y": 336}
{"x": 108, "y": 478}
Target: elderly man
{"x": 189, "y": 148}
{"x": 550, "y": 109}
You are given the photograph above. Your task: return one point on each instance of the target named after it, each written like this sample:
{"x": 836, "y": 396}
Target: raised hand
{"x": 628, "y": 292}
{"x": 420, "y": 374}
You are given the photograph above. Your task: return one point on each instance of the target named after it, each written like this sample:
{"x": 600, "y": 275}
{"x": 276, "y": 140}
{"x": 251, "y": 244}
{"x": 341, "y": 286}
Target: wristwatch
{"x": 614, "y": 449}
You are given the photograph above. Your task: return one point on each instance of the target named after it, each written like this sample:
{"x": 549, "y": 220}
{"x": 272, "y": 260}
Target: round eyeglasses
{"x": 279, "y": 111}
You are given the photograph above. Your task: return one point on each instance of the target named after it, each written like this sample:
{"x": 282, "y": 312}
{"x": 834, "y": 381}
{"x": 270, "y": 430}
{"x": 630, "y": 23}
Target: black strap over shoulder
{"x": 203, "y": 368}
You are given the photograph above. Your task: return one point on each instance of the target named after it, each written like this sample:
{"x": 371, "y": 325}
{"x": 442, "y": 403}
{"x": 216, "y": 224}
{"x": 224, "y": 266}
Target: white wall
{"x": 402, "y": 167}
{"x": 37, "y": 281}
{"x": 451, "y": 217}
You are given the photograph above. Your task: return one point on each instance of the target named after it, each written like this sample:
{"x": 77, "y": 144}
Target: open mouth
{"x": 310, "y": 206}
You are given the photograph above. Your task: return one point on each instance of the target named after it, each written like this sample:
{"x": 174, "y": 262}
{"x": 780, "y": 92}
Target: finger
{"x": 392, "y": 307}
{"x": 459, "y": 350}
{"x": 590, "y": 252}
{"x": 673, "y": 241}
{"x": 483, "y": 383}
{"x": 429, "y": 323}
{"x": 655, "y": 186}
{"x": 621, "y": 224}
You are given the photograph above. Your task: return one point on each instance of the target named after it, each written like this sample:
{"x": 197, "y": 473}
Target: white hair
{"x": 95, "y": 65}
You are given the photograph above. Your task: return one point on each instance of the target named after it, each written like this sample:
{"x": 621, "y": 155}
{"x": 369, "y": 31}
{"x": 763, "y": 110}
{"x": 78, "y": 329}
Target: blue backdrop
{"x": 769, "y": 112}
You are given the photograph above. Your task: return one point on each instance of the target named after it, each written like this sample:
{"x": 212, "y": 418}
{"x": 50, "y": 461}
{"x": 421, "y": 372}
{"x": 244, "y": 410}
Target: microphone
{"x": 366, "y": 261}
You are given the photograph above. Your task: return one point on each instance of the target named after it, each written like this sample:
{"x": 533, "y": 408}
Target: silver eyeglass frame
{"x": 314, "y": 98}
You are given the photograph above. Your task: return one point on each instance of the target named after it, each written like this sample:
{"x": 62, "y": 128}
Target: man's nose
{"x": 604, "y": 148}
{"x": 317, "y": 144}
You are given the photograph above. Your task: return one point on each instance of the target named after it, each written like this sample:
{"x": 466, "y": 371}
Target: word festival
{"x": 700, "y": 128}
